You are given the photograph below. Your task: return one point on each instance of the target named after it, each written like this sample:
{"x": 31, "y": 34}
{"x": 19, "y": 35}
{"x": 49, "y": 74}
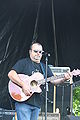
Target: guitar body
{"x": 16, "y": 91}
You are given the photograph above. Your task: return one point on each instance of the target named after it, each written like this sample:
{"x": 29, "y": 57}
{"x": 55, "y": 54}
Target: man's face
{"x": 36, "y": 53}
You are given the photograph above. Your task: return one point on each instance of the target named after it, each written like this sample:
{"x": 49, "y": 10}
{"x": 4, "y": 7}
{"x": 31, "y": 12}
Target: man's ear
{"x": 29, "y": 51}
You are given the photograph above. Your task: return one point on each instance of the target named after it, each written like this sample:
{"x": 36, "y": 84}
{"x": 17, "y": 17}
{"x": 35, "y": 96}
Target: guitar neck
{"x": 50, "y": 79}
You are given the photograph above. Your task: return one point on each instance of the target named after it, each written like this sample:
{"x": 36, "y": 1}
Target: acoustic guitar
{"x": 34, "y": 81}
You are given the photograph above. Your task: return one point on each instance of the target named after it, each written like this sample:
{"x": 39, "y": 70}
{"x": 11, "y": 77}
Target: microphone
{"x": 45, "y": 53}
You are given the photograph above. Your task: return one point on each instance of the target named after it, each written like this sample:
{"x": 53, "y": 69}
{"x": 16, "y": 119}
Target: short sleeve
{"x": 19, "y": 66}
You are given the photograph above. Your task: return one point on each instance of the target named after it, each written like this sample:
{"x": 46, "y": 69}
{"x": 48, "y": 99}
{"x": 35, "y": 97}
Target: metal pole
{"x": 71, "y": 104}
{"x": 62, "y": 102}
{"x": 46, "y": 89}
{"x": 55, "y": 52}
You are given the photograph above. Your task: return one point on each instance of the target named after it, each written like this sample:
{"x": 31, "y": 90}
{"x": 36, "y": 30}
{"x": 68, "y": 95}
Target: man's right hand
{"x": 26, "y": 89}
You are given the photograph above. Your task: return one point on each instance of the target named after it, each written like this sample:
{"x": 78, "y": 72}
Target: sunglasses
{"x": 37, "y": 51}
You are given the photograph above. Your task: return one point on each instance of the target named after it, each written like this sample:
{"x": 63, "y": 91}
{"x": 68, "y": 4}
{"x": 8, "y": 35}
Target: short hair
{"x": 34, "y": 42}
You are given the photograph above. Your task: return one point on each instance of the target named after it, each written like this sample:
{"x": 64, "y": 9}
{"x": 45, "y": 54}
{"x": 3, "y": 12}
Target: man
{"x": 29, "y": 109}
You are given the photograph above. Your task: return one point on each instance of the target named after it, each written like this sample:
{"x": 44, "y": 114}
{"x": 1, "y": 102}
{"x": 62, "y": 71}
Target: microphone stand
{"x": 46, "y": 86}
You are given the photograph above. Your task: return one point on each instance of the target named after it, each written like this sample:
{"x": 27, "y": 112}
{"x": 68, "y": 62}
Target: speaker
{"x": 71, "y": 117}
{"x": 50, "y": 116}
{"x": 63, "y": 98}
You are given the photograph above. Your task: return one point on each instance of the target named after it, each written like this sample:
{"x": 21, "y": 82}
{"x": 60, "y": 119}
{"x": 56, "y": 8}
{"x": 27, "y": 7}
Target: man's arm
{"x": 66, "y": 77}
{"x": 13, "y": 76}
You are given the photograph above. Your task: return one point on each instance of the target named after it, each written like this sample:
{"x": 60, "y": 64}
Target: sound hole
{"x": 33, "y": 83}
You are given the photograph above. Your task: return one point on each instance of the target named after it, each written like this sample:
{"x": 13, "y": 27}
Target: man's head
{"x": 36, "y": 52}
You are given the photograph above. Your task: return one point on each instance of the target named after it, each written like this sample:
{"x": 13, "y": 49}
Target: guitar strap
{"x": 43, "y": 70}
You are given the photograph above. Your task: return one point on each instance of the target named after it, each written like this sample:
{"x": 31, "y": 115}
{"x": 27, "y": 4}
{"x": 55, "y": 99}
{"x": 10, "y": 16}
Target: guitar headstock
{"x": 76, "y": 72}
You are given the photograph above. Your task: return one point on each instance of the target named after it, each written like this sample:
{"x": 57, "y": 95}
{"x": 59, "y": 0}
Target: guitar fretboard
{"x": 42, "y": 81}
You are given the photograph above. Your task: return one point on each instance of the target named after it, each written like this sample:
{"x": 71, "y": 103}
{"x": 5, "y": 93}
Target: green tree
{"x": 76, "y": 101}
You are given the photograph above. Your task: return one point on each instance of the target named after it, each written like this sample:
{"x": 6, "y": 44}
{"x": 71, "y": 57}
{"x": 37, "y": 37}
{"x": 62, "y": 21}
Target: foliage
{"x": 76, "y": 101}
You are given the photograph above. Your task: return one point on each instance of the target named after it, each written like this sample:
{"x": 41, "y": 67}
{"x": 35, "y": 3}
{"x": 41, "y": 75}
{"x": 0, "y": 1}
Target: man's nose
{"x": 38, "y": 52}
